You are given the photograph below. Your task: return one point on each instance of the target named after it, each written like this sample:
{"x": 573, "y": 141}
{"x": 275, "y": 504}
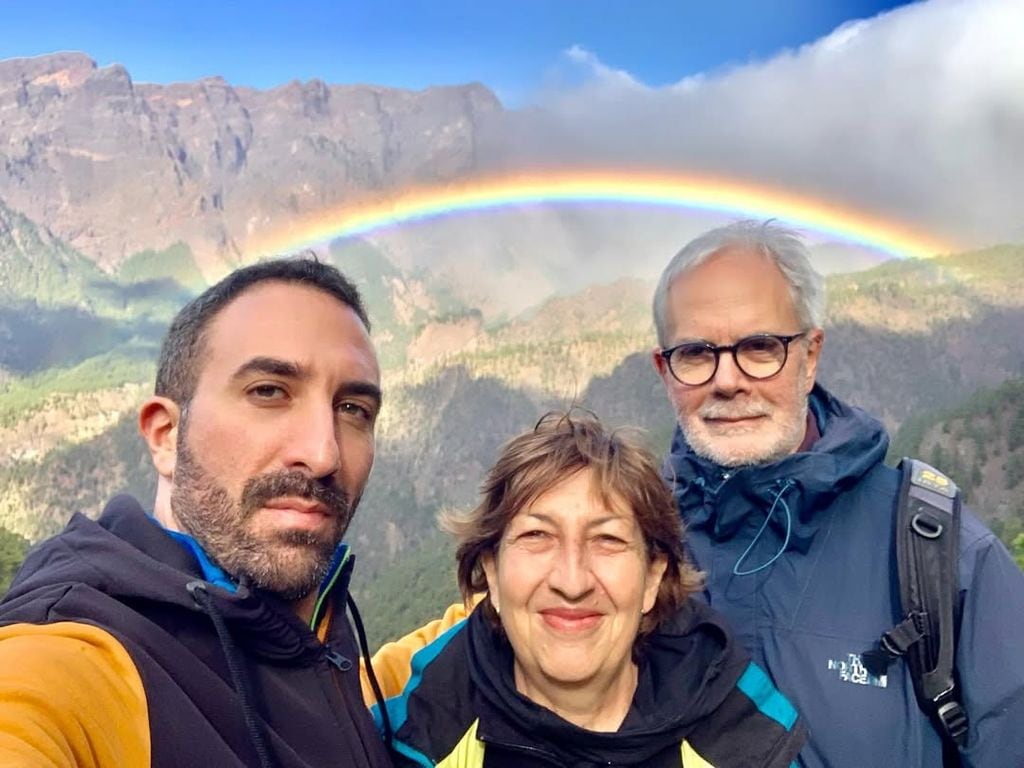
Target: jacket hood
{"x": 693, "y": 649}
{"x": 852, "y": 442}
{"x": 127, "y": 555}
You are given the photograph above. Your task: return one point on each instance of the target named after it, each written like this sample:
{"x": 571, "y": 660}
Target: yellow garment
{"x": 70, "y": 697}
{"x": 392, "y": 663}
{"x": 468, "y": 753}
{"x": 691, "y": 759}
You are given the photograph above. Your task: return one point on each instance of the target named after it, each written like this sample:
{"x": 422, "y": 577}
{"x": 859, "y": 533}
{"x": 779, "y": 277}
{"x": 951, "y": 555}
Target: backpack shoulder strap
{"x": 927, "y": 548}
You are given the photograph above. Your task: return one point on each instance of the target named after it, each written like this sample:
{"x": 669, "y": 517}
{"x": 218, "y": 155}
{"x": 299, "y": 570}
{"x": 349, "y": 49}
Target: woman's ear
{"x": 490, "y": 566}
{"x": 159, "y": 418}
{"x": 655, "y": 573}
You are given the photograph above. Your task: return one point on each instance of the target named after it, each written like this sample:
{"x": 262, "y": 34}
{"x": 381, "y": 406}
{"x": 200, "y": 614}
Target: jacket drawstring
{"x": 760, "y": 531}
{"x": 239, "y": 679}
{"x": 364, "y": 649}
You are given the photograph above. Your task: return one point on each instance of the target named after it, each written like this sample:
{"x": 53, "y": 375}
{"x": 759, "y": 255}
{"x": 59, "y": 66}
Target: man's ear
{"x": 815, "y": 341}
{"x": 158, "y": 422}
{"x": 659, "y": 362}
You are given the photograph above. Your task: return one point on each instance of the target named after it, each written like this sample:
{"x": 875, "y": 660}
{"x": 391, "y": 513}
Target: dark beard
{"x": 290, "y": 564}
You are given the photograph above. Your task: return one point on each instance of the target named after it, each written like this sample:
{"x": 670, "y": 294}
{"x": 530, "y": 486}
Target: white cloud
{"x": 600, "y": 74}
{"x": 917, "y": 115}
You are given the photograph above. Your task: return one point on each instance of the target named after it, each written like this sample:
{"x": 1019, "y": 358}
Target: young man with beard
{"x": 213, "y": 632}
{"x": 791, "y": 513}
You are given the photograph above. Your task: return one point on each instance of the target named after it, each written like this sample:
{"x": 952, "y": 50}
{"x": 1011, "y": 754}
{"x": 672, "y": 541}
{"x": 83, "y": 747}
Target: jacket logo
{"x": 852, "y": 670}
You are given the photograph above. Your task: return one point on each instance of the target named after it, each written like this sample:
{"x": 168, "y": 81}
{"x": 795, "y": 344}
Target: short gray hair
{"x": 783, "y": 246}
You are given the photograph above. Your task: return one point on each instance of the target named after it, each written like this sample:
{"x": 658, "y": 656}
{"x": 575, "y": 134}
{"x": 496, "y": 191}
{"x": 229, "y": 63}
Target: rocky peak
{"x": 114, "y": 167}
{"x": 63, "y": 70}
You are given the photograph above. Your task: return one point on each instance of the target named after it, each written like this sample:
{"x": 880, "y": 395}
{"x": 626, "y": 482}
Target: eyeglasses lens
{"x": 693, "y": 363}
{"x": 760, "y": 357}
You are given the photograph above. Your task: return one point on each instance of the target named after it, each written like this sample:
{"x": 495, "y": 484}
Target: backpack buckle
{"x": 952, "y": 716}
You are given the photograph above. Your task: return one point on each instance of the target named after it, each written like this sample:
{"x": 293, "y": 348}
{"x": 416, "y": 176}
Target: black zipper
{"x": 343, "y": 663}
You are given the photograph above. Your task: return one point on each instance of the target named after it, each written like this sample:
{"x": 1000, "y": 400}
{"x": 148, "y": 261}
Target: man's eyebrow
{"x": 690, "y": 340}
{"x": 272, "y": 366}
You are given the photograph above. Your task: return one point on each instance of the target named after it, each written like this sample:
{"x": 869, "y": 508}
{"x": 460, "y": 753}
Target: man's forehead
{"x": 738, "y": 289}
{"x": 288, "y": 321}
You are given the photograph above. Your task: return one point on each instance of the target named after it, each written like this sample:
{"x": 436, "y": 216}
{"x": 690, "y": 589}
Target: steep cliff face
{"x": 114, "y": 167}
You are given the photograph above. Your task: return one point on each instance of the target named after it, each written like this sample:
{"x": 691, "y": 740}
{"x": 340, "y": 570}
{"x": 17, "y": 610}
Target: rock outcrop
{"x": 113, "y": 167}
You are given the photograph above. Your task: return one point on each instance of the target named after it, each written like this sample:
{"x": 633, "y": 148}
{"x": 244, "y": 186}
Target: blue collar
{"x": 212, "y": 572}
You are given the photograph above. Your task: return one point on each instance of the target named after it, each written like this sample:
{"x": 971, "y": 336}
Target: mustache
{"x": 733, "y": 411}
{"x": 259, "y": 491}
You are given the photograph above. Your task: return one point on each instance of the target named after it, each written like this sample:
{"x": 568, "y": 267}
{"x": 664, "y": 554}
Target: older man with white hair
{"x": 791, "y": 513}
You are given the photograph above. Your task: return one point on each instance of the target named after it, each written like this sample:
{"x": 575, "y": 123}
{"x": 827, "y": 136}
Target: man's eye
{"x": 692, "y": 352}
{"x": 759, "y": 344}
{"x": 268, "y": 392}
{"x": 355, "y": 410}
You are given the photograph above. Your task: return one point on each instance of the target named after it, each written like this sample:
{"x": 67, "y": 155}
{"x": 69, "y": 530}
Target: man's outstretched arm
{"x": 391, "y": 664}
{"x": 70, "y": 697}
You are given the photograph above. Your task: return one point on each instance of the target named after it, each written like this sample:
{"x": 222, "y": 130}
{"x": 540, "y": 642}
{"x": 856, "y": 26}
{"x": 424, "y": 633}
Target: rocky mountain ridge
{"x": 114, "y": 167}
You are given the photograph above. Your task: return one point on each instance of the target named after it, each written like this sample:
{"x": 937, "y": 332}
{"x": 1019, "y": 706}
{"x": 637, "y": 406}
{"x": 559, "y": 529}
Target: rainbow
{"x": 715, "y": 195}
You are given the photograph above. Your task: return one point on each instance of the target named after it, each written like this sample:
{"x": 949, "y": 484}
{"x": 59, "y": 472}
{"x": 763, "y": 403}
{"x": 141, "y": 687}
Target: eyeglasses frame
{"x": 731, "y": 348}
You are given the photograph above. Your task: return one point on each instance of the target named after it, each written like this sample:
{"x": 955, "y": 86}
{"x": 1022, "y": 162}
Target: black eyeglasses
{"x": 760, "y": 357}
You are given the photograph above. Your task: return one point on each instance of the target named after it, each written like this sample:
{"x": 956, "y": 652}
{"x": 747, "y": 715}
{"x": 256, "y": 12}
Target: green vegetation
{"x": 980, "y": 444}
{"x": 41, "y": 268}
{"x": 12, "y": 551}
{"x": 377, "y": 279}
{"x": 392, "y": 298}
{"x": 132, "y": 362}
{"x": 1017, "y": 550}
{"x": 405, "y": 595}
{"x": 175, "y": 262}
{"x": 38, "y": 338}
{"x": 923, "y": 293}
{"x": 41, "y": 495}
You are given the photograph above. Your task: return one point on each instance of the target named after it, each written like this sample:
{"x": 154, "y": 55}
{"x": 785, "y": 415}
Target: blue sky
{"x": 513, "y": 47}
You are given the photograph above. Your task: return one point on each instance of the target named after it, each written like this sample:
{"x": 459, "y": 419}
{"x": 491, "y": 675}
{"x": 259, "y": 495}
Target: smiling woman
{"x": 585, "y": 647}
{"x": 573, "y": 578}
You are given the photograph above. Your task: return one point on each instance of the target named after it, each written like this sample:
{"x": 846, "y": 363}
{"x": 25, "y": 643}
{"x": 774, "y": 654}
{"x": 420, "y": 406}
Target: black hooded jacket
{"x": 229, "y": 678}
{"x": 699, "y": 702}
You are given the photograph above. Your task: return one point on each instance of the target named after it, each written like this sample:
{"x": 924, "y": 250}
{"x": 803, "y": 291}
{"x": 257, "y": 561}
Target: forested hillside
{"x": 980, "y": 444}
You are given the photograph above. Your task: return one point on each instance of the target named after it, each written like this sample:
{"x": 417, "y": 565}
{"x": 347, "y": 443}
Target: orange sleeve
{"x": 391, "y": 664}
{"x": 70, "y": 697}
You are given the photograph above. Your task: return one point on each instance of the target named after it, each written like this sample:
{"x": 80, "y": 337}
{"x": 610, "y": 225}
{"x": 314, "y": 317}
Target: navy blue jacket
{"x": 831, "y": 590}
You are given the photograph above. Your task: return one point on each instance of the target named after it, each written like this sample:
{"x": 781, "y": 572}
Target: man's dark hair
{"x": 182, "y": 350}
